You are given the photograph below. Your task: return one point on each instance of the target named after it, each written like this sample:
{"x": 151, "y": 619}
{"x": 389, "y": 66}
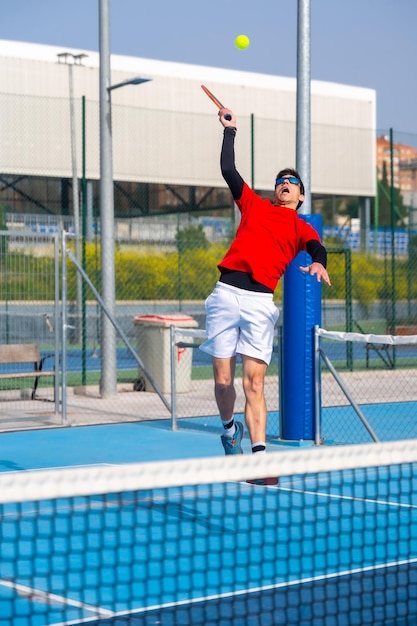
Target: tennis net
{"x": 368, "y": 386}
{"x": 192, "y": 542}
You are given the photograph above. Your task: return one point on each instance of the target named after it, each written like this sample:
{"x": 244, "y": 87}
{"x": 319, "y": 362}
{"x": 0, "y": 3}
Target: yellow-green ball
{"x": 242, "y": 42}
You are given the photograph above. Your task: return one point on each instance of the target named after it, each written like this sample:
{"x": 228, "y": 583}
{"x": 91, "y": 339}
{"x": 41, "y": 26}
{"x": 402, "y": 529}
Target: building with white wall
{"x": 166, "y": 136}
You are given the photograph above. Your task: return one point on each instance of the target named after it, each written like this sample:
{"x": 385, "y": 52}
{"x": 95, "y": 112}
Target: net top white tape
{"x": 198, "y": 333}
{"x": 392, "y": 340}
{"x": 21, "y": 486}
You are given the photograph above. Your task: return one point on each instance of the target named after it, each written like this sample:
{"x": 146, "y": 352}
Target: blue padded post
{"x": 302, "y": 311}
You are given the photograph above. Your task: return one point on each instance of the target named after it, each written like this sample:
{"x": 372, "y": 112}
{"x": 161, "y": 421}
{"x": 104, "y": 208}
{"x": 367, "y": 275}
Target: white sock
{"x": 229, "y": 428}
{"x": 259, "y": 447}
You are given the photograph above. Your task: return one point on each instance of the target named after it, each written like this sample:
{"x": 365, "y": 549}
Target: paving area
{"x": 88, "y": 408}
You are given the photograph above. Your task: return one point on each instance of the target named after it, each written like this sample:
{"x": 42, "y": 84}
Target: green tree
{"x": 191, "y": 237}
{"x": 3, "y": 223}
{"x": 4, "y": 242}
{"x": 412, "y": 251}
{"x": 384, "y": 202}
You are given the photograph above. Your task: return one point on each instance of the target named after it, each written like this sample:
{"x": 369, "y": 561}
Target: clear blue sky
{"x": 368, "y": 43}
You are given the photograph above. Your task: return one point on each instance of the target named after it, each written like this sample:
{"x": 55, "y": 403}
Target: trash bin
{"x": 154, "y": 345}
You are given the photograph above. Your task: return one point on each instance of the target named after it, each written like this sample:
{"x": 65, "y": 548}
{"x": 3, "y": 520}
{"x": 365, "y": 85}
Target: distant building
{"x": 166, "y": 139}
{"x": 404, "y": 167}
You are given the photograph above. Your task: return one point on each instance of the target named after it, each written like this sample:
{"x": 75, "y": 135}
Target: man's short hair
{"x": 289, "y": 171}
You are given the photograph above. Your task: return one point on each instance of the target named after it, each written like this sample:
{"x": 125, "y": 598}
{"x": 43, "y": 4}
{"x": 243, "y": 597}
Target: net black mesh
{"x": 326, "y": 547}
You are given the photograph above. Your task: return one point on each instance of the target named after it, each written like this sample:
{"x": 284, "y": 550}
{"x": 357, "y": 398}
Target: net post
{"x": 317, "y": 387}
{"x": 302, "y": 311}
{"x": 280, "y": 379}
{"x": 173, "y": 338}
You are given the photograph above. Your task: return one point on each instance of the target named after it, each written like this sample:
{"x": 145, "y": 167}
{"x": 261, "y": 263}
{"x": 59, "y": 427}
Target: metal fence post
{"x": 64, "y": 328}
{"x": 317, "y": 387}
{"x": 173, "y": 339}
{"x": 57, "y": 327}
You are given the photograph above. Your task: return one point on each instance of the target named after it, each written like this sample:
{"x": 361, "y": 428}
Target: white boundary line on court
{"x": 36, "y": 595}
{"x": 282, "y": 585}
{"x": 336, "y": 496}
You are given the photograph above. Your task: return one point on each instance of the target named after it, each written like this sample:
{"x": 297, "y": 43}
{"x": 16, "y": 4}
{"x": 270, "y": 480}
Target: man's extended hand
{"x": 317, "y": 270}
{"x": 225, "y": 122}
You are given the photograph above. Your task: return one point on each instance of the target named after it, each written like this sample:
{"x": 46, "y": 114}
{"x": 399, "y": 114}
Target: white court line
{"x": 37, "y": 595}
{"x": 322, "y": 494}
{"x": 354, "y": 498}
{"x": 283, "y": 585}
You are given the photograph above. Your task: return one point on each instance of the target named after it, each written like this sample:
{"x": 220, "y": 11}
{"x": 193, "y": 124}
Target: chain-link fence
{"x": 373, "y": 255}
{"x": 39, "y": 307}
{"x": 375, "y": 402}
{"x": 169, "y": 239}
{"x": 146, "y": 325}
{"x": 165, "y": 335}
{"x": 29, "y": 316}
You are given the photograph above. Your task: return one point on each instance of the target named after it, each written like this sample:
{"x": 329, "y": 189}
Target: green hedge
{"x": 152, "y": 275}
{"x": 191, "y": 275}
{"x": 371, "y": 279}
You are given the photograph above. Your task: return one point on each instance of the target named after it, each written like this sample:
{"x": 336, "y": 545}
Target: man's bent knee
{"x": 222, "y": 389}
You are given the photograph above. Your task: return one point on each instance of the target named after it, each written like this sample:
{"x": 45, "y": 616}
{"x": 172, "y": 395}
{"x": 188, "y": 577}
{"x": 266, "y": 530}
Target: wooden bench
{"x": 25, "y": 353}
{"x": 383, "y": 350}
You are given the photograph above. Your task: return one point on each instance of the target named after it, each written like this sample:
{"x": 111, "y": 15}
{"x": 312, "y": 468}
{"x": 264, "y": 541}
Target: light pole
{"x": 70, "y": 60}
{"x": 108, "y": 383}
{"x": 302, "y": 296}
{"x": 303, "y": 139}
{"x": 137, "y": 80}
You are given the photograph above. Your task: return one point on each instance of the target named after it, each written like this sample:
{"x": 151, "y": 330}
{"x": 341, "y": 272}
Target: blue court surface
{"x": 330, "y": 549}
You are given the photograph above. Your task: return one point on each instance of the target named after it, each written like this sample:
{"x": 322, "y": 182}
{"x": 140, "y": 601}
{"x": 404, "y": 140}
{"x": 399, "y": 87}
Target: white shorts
{"x": 240, "y": 322}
